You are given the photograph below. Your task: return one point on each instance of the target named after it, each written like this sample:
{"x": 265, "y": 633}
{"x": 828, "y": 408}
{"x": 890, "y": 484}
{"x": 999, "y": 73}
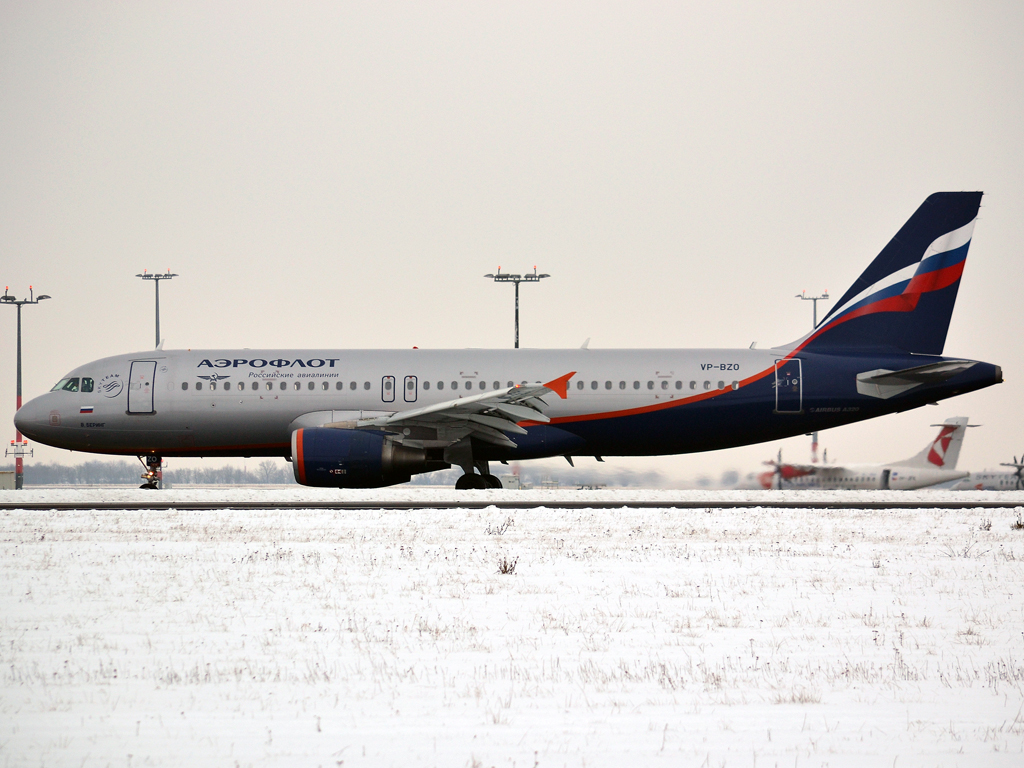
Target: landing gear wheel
{"x": 154, "y": 472}
{"x": 472, "y": 482}
{"x": 493, "y": 481}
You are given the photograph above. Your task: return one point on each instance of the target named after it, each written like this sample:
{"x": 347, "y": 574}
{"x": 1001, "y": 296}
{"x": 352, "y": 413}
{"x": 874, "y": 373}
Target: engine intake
{"x": 351, "y": 458}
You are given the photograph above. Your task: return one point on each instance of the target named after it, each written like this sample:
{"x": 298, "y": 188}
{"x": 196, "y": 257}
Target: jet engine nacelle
{"x": 350, "y": 458}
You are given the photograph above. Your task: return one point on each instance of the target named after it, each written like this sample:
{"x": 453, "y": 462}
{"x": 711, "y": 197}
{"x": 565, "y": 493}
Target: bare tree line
{"x": 271, "y": 472}
{"x": 267, "y": 472}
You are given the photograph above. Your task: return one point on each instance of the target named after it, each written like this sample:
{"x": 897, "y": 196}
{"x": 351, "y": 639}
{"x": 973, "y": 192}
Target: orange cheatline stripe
{"x": 659, "y": 406}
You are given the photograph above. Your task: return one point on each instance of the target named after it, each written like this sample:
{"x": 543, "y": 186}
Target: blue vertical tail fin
{"x": 904, "y": 299}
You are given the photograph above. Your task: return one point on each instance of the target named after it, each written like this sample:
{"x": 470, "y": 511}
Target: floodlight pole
{"x": 156, "y": 277}
{"x": 814, "y": 300}
{"x": 19, "y": 448}
{"x": 505, "y": 277}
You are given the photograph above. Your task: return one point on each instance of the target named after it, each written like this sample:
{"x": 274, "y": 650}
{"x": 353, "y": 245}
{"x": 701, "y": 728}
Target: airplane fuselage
{"x": 893, "y": 477}
{"x": 618, "y": 402}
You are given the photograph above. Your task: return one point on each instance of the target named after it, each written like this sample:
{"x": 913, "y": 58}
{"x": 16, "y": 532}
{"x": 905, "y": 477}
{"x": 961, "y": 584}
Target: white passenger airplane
{"x": 934, "y": 465}
{"x": 359, "y": 419}
{"x": 995, "y": 480}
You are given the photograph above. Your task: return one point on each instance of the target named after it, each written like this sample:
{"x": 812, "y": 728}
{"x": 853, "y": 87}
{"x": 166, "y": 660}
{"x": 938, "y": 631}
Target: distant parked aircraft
{"x": 934, "y": 465}
{"x": 994, "y": 480}
{"x": 369, "y": 418}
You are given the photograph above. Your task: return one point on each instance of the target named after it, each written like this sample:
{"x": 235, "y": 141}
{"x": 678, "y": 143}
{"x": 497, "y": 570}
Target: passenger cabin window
{"x": 255, "y": 385}
{"x": 199, "y": 385}
{"x": 352, "y": 386}
{"x": 707, "y": 385}
{"x": 650, "y": 385}
{"x": 622, "y": 385}
{"x": 607, "y": 385}
{"x": 636, "y": 385}
{"x": 326, "y": 385}
{"x": 270, "y": 385}
{"x": 511, "y": 384}
{"x": 664, "y": 383}
{"x": 497, "y": 385}
{"x": 679, "y": 384}
{"x": 310, "y": 386}
{"x": 338, "y": 384}
{"x": 426, "y": 385}
{"x": 213, "y": 385}
{"x": 693, "y": 385}
{"x": 366, "y": 385}
{"x": 735, "y": 385}
{"x": 455, "y": 385}
{"x": 579, "y": 384}
{"x": 297, "y": 386}
{"x": 469, "y": 385}
{"x": 440, "y": 385}
{"x": 483, "y": 385}
{"x": 721, "y": 385}
{"x": 283, "y": 386}
{"x": 593, "y": 385}
{"x": 87, "y": 385}
{"x": 184, "y": 385}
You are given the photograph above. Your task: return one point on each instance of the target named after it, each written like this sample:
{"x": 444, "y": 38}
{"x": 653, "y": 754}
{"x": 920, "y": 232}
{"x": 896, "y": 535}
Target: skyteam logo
{"x": 111, "y": 385}
{"x": 940, "y": 266}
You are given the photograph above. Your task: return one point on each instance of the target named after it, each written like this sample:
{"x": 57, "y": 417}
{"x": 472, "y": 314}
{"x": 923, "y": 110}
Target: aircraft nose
{"x": 31, "y": 417}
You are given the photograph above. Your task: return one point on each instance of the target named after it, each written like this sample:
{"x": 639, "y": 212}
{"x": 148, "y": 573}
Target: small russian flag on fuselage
{"x": 85, "y": 409}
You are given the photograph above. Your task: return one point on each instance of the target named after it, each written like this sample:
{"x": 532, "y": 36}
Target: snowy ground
{"x": 625, "y": 637}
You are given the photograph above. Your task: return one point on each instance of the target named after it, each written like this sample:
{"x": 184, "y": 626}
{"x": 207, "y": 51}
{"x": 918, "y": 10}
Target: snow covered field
{"x": 626, "y": 637}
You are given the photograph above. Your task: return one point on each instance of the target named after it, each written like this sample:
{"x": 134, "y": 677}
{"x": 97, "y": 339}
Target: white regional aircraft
{"x": 361, "y": 419}
{"x": 934, "y": 465}
{"x": 996, "y": 480}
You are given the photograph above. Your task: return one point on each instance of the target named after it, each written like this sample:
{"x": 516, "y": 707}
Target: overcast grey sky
{"x": 343, "y": 174}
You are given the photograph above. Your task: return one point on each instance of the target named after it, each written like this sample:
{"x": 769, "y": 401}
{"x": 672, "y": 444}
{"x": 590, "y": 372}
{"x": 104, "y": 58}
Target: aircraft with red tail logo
{"x": 934, "y": 465}
{"x": 371, "y": 418}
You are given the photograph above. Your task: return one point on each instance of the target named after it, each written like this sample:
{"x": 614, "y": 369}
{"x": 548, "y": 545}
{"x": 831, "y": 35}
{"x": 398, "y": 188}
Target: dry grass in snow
{"x": 542, "y": 637}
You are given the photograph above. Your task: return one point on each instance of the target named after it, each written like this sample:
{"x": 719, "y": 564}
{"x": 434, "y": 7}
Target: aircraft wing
{"x": 789, "y": 471}
{"x": 488, "y": 416}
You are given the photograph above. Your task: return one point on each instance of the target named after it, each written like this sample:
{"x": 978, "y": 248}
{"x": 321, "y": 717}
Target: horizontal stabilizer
{"x": 883, "y": 383}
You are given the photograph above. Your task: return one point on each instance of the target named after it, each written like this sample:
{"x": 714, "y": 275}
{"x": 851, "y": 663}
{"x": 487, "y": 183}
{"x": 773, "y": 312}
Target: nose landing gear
{"x": 153, "y": 474}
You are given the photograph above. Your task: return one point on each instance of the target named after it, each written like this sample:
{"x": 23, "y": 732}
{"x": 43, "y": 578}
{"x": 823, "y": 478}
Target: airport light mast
{"x": 529, "y": 277}
{"x": 19, "y": 448}
{"x": 814, "y": 301}
{"x": 156, "y": 277}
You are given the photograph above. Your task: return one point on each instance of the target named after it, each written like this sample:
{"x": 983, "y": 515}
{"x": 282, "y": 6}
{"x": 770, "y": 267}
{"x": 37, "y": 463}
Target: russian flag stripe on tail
{"x": 905, "y": 298}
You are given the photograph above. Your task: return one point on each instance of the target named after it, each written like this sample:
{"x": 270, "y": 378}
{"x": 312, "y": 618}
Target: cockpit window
{"x": 68, "y": 385}
{"x": 87, "y": 384}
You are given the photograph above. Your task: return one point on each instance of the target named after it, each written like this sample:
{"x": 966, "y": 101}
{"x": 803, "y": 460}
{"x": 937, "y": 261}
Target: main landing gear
{"x": 153, "y": 474}
{"x": 477, "y": 482}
